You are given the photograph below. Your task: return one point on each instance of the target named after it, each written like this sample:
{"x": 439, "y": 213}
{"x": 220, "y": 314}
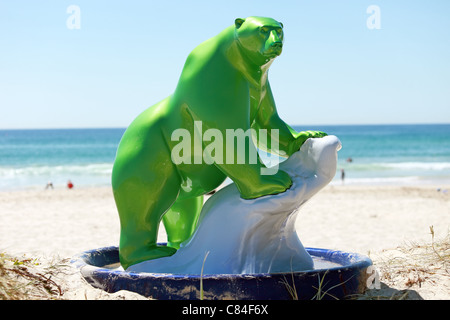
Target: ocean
{"x": 370, "y": 154}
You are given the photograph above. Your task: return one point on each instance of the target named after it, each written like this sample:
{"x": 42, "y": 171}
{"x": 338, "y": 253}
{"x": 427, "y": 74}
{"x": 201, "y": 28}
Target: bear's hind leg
{"x": 142, "y": 197}
{"x": 181, "y": 219}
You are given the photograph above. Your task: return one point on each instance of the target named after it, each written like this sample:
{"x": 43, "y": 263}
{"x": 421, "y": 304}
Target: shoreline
{"x": 407, "y": 181}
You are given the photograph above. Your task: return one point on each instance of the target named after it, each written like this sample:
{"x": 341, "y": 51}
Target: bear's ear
{"x": 238, "y": 22}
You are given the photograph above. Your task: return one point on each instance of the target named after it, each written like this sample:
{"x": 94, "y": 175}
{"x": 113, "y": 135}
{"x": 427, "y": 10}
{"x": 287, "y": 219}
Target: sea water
{"x": 32, "y": 158}
{"x": 380, "y": 154}
{"x": 393, "y": 154}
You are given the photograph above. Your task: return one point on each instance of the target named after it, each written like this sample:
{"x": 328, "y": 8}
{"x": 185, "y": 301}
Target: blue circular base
{"x": 333, "y": 283}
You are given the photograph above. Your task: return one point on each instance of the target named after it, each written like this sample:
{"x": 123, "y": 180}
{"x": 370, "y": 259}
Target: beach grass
{"x": 411, "y": 268}
{"x": 402, "y": 270}
{"x": 27, "y": 279}
{"x": 420, "y": 262}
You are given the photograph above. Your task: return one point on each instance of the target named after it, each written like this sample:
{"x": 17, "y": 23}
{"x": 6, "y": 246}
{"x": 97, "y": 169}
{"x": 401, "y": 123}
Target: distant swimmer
{"x": 349, "y": 159}
{"x": 69, "y": 184}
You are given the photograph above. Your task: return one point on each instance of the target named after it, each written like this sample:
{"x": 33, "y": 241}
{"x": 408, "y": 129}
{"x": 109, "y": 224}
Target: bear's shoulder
{"x": 209, "y": 51}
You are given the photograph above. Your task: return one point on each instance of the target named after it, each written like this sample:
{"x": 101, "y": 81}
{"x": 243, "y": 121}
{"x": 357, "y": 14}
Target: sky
{"x": 343, "y": 62}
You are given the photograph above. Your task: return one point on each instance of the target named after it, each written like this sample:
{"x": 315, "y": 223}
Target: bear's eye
{"x": 264, "y": 29}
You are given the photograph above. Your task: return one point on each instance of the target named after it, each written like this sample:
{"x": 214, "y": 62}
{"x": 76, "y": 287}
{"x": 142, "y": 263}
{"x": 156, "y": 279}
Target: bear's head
{"x": 260, "y": 38}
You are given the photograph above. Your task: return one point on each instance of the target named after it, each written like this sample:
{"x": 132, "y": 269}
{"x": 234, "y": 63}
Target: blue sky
{"x": 128, "y": 55}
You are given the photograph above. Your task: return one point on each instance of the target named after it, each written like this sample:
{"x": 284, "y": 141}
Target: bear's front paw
{"x": 302, "y": 136}
{"x": 268, "y": 184}
{"x": 310, "y": 134}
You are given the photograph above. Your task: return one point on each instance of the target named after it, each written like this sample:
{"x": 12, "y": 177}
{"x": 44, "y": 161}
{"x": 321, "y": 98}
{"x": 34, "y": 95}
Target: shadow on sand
{"x": 388, "y": 293}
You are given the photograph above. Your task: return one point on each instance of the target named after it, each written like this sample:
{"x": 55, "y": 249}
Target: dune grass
{"x": 27, "y": 279}
{"x": 402, "y": 270}
{"x": 406, "y": 269}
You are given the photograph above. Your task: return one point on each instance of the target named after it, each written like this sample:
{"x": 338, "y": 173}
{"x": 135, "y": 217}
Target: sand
{"x": 387, "y": 223}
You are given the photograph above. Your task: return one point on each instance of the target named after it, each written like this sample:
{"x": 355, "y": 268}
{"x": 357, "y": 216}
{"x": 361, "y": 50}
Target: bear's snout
{"x": 274, "y": 49}
{"x": 277, "y": 44}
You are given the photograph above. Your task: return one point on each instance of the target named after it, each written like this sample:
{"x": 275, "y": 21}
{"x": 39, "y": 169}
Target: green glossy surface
{"x": 224, "y": 85}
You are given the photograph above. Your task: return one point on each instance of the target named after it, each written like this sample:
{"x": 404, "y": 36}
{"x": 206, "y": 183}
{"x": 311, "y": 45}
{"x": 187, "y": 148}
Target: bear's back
{"x": 209, "y": 52}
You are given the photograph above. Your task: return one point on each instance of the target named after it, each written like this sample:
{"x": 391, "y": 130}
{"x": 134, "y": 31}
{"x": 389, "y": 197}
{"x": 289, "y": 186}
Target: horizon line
{"x": 292, "y": 125}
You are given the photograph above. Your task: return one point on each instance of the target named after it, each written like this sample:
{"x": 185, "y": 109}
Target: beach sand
{"x": 387, "y": 223}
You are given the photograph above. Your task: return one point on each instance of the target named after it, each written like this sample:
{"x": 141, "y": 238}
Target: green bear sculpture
{"x": 223, "y": 86}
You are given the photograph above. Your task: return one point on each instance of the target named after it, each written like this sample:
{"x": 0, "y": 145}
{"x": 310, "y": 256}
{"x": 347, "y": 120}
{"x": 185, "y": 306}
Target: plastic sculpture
{"x": 223, "y": 87}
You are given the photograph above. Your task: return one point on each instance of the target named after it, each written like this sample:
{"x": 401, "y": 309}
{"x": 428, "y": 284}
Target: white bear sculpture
{"x": 237, "y": 236}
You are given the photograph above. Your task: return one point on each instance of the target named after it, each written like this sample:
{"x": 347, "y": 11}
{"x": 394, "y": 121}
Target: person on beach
{"x": 342, "y": 175}
{"x": 69, "y": 184}
{"x": 49, "y": 185}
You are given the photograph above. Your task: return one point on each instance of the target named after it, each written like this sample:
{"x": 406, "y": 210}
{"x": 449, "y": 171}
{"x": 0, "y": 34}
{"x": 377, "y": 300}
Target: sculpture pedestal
{"x": 99, "y": 268}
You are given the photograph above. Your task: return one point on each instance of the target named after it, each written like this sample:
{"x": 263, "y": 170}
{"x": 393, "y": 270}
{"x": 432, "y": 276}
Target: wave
{"x": 395, "y": 173}
{"x": 400, "y": 166}
{"x": 420, "y": 165}
{"x": 38, "y": 170}
{"x": 98, "y": 174}
{"x": 378, "y": 180}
